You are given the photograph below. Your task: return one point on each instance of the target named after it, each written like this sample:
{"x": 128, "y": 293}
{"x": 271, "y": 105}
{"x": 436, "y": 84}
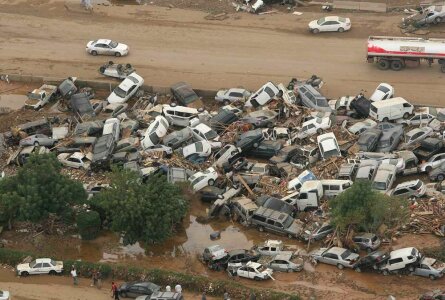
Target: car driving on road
{"x": 331, "y": 23}
{"x": 107, "y": 47}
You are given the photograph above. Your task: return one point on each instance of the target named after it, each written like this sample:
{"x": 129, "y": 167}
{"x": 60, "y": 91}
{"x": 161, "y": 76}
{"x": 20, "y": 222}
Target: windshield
{"x": 322, "y": 102}
{"x": 32, "y": 264}
{"x": 321, "y": 21}
{"x": 384, "y": 89}
{"x": 330, "y": 153}
{"x": 210, "y": 135}
{"x": 374, "y": 238}
{"x": 133, "y": 79}
{"x": 441, "y": 116}
{"x": 113, "y": 44}
{"x": 418, "y": 185}
{"x": 154, "y": 138}
{"x": 199, "y": 147}
{"x": 120, "y": 92}
{"x": 269, "y": 91}
{"x": 381, "y": 186}
{"x": 345, "y": 254}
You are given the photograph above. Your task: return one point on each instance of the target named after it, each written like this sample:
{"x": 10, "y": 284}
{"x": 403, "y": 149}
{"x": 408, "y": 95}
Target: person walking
{"x": 99, "y": 279}
{"x": 114, "y": 291}
{"x": 94, "y": 278}
{"x": 74, "y": 275}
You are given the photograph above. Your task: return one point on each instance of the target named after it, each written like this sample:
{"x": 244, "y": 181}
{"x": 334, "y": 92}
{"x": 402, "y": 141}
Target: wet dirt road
{"x": 168, "y": 45}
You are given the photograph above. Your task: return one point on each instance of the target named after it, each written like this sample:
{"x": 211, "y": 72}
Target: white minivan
{"x": 179, "y": 115}
{"x": 334, "y": 187}
{"x": 391, "y": 109}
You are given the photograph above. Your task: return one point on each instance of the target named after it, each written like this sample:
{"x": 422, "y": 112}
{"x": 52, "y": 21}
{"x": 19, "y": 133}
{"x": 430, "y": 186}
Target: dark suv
{"x": 233, "y": 257}
{"x": 183, "y": 93}
{"x": 372, "y": 261}
{"x": 250, "y": 139}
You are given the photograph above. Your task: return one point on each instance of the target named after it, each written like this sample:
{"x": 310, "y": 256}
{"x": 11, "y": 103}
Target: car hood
{"x": 113, "y": 98}
{"x": 313, "y": 24}
{"x": 121, "y": 47}
{"x": 22, "y": 266}
{"x": 352, "y": 257}
{"x": 221, "y": 93}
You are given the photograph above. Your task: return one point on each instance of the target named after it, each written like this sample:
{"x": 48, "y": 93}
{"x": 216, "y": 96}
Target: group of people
{"x": 96, "y": 277}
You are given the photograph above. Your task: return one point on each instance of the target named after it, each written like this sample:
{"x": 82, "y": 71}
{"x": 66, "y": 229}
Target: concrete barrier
{"x": 357, "y": 5}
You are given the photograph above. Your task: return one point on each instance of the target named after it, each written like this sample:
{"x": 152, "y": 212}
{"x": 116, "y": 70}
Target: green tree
{"x": 38, "y": 189}
{"x": 141, "y": 211}
{"x": 367, "y": 209}
{"x": 88, "y": 223}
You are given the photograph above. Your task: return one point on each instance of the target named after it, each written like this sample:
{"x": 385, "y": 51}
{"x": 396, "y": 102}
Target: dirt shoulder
{"x": 44, "y": 287}
{"x": 170, "y": 45}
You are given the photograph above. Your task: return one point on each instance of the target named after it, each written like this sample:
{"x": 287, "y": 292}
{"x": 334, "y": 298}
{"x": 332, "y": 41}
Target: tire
{"x": 226, "y": 102}
{"x": 428, "y": 169}
{"x": 341, "y": 29}
{"x": 383, "y": 64}
{"x": 358, "y": 270}
{"x": 94, "y": 52}
{"x": 368, "y": 250}
{"x": 173, "y": 104}
{"x": 340, "y": 266}
{"x": 24, "y": 274}
{"x": 411, "y": 268}
{"x": 52, "y": 272}
{"x": 406, "y": 115}
{"x": 385, "y": 119}
{"x": 385, "y": 272}
{"x": 289, "y": 270}
{"x": 128, "y": 66}
{"x": 396, "y": 65}
{"x": 432, "y": 277}
{"x": 211, "y": 182}
{"x": 36, "y": 144}
{"x": 117, "y": 54}
{"x": 255, "y": 145}
{"x": 261, "y": 228}
{"x": 315, "y": 31}
{"x": 319, "y": 131}
{"x": 437, "y": 20}
{"x": 124, "y": 295}
{"x": 440, "y": 177}
{"x": 256, "y": 278}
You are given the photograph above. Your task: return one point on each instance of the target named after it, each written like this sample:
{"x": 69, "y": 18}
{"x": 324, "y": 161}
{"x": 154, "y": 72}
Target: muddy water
{"x": 12, "y": 101}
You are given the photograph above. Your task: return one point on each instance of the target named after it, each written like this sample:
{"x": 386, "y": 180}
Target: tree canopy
{"x": 38, "y": 189}
{"x": 367, "y": 209}
{"x": 140, "y": 211}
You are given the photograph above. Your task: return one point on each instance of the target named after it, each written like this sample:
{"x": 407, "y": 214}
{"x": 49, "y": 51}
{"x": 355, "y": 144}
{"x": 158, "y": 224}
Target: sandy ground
{"x": 168, "y": 45}
{"x": 43, "y": 287}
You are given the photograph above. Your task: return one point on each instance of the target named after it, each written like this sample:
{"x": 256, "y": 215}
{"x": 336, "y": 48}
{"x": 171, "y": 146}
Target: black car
{"x": 211, "y": 193}
{"x": 220, "y": 121}
{"x": 234, "y": 256}
{"x": 361, "y": 105}
{"x": 121, "y": 158}
{"x": 102, "y": 151}
{"x": 250, "y": 139}
{"x": 136, "y": 289}
{"x": 67, "y": 88}
{"x": 266, "y": 149}
{"x": 372, "y": 261}
{"x": 285, "y": 154}
{"x": 80, "y": 104}
{"x": 369, "y": 139}
{"x": 183, "y": 93}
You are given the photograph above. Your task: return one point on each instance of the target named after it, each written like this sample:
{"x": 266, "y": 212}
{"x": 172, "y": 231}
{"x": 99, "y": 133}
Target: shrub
{"x": 88, "y": 223}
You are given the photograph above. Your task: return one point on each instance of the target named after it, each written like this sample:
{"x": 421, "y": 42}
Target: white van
{"x": 391, "y": 109}
{"x": 334, "y": 187}
{"x": 311, "y": 193}
{"x": 179, "y": 115}
{"x": 401, "y": 259}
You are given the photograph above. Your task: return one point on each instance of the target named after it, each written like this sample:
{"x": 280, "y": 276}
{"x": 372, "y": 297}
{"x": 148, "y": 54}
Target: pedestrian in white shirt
{"x": 74, "y": 275}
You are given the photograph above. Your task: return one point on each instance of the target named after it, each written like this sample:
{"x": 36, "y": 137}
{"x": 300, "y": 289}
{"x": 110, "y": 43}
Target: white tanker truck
{"x": 399, "y": 52}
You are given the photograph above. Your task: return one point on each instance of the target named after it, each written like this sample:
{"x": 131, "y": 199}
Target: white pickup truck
{"x": 39, "y": 97}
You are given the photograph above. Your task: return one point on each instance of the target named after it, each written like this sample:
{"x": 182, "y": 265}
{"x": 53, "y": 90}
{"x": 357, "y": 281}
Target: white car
{"x": 200, "y": 180}
{"x": 336, "y": 256}
{"x": 415, "y": 136}
{"x": 225, "y": 153}
{"x": 435, "y": 161}
{"x": 158, "y": 149}
{"x": 40, "y": 266}
{"x": 261, "y": 97}
{"x": 75, "y": 160}
{"x": 382, "y": 92}
{"x": 254, "y": 270}
{"x": 313, "y": 126}
{"x": 112, "y": 126}
{"x": 4, "y": 295}
{"x": 202, "y": 132}
{"x": 197, "y": 152}
{"x": 126, "y": 89}
{"x": 328, "y": 145}
{"x": 343, "y": 103}
{"x": 422, "y": 116}
{"x": 155, "y": 132}
{"x": 107, "y": 47}
{"x": 332, "y": 23}
{"x": 359, "y": 127}
{"x": 232, "y": 95}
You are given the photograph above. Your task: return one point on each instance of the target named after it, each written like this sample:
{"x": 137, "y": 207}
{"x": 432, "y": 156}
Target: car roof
{"x": 43, "y": 260}
{"x": 407, "y": 183}
{"x": 332, "y": 18}
{"x": 402, "y": 252}
{"x": 78, "y": 155}
{"x": 284, "y": 256}
{"x": 103, "y": 41}
{"x": 203, "y": 128}
{"x": 253, "y": 264}
{"x": 336, "y": 250}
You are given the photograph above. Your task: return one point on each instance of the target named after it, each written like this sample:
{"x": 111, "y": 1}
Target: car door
{"x": 46, "y": 268}
{"x": 331, "y": 258}
{"x": 37, "y": 269}
{"x": 404, "y": 192}
{"x": 422, "y": 270}
{"x": 438, "y": 160}
{"x": 133, "y": 292}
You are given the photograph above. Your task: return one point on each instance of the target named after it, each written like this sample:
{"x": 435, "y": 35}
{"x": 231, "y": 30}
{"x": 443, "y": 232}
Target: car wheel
{"x": 36, "y": 144}
{"x": 406, "y": 115}
{"x": 385, "y": 272}
{"x": 315, "y": 30}
{"x": 117, "y": 54}
{"x": 255, "y": 145}
{"x": 411, "y": 268}
{"x": 226, "y": 102}
{"x": 383, "y": 64}
{"x": 261, "y": 228}
{"x": 437, "y": 20}
{"x": 256, "y": 278}
{"x": 428, "y": 169}
{"x": 340, "y": 266}
{"x": 385, "y": 119}
{"x": 440, "y": 177}
{"x": 289, "y": 270}
{"x": 396, "y": 65}
{"x": 52, "y": 272}
{"x": 369, "y": 250}
{"x": 24, "y": 274}
{"x": 94, "y": 52}
{"x": 211, "y": 182}
{"x": 341, "y": 29}
{"x": 432, "y": 277}
{"x": 124, "y": 295}
{"x": 319, "y": 131}
{"x": 358, "y": 270}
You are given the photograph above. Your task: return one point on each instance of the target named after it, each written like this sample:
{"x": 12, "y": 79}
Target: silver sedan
{"x": 38, "y": 140}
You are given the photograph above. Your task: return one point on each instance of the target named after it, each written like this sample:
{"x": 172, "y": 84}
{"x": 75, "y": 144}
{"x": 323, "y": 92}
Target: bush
{"x": 88, "y": 223}
{"x": 195, "y": 283}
